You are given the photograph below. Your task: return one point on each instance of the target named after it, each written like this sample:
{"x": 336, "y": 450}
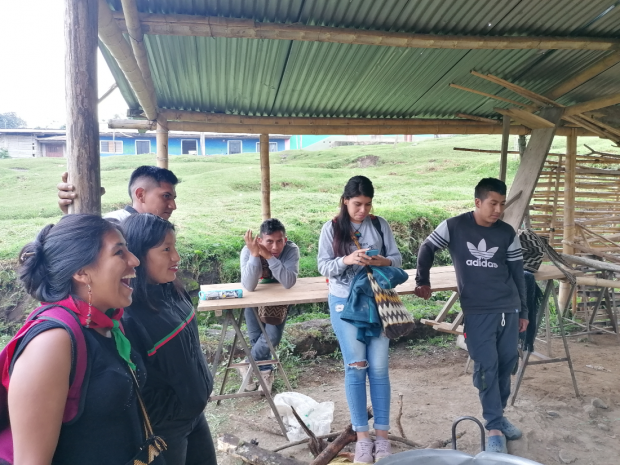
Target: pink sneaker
{"x": 363, "y": 452}
{"x": 383, "y": 449}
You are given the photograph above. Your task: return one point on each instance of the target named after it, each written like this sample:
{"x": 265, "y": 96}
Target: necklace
{"x": 357, "y": 232}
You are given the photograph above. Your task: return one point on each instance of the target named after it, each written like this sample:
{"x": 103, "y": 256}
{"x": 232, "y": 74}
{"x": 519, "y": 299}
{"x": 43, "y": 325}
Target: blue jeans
{"x": 375, "y": 355}
{"x": 260, "y": 348}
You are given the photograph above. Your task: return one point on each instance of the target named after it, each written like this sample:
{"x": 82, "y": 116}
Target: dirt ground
{"x": 557, "y": 426}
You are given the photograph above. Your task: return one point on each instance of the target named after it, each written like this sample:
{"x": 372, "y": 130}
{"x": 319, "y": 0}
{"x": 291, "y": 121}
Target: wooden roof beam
{"x": 278, "y": 121}
{"x": 113, "y": 39}
{"x": 597, "y": 68}
{"x": 589, "y": 124}
{"x": 136, "y": 39}
{"x": 435, "y": 127}
{"x": 594, "y": 104}
{"x": 496, "y": 97}
{"x": 212, "y": 26}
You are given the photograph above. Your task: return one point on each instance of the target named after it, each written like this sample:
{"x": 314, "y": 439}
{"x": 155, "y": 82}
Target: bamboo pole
{"x": 554, "y": 211}
{"x": 594, "y": 104}
{"x": 574, "y": 82}
{"x": 212, "y": 26}
{"x": 162, "y": 142}
{"x": 503, "y": 161}
{"x": 438, "y": 127}
{"x": 495, "y": 97}
{"x": 83, "y": 159}
{"x": 113, "y": 39}
{"x": 265, "y": 178}
{"x": 477, "y": 118}
{"x": 107, "y": 93}
{"x": 569, "y": 210}
{"x": 136, "y": 38}
{"x": 598, "y": 282}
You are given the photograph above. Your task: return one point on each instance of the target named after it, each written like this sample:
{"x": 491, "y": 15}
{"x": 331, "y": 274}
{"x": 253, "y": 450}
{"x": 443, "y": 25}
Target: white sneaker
{"x": 243, "y": 372}
{"x": 267, "y": 376}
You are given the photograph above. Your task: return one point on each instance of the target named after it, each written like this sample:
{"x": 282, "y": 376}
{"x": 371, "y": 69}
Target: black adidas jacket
{"x": 488, "y": 264}
{"x": 178, "y": 381}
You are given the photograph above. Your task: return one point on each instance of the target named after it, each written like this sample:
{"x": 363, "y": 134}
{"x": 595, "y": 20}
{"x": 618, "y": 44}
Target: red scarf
{"x": 98, "y": 319}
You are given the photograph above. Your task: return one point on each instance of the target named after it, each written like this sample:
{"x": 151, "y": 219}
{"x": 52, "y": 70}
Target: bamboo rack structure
{"x": 596, "y": 203}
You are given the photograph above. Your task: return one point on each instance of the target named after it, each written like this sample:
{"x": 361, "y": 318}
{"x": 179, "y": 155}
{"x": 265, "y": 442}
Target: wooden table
{"x": 305, "y": 290}
{"x": 310, "y": 290}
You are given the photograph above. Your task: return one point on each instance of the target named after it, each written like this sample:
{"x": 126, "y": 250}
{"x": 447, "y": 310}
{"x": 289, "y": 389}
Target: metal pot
{"x": 454, "y": 457}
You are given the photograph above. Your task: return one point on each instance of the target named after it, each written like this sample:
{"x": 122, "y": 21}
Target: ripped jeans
{"x": 375, "y": 355}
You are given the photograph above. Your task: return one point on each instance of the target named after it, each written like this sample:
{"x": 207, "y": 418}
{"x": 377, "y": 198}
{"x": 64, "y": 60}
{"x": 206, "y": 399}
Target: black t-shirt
{"x": 109, "y": 428}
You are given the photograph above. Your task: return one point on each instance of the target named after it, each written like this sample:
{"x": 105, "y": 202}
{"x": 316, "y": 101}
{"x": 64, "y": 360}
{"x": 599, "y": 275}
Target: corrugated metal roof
{"x": 288, "y": 78}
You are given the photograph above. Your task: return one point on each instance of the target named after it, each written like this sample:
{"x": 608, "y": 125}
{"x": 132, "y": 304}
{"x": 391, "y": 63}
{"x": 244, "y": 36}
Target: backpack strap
{"x": 68, "y": 320}
{"x": 377, "y": 224}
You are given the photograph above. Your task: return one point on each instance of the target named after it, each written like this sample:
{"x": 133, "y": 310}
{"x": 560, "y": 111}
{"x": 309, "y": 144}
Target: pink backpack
{"x": 71, "y": 323}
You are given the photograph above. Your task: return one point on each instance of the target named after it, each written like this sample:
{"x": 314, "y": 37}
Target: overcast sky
{"x": 32, "y": 54}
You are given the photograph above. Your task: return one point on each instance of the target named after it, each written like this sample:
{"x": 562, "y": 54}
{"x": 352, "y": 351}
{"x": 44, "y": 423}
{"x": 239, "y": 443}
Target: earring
{"x": 90, "y": 306}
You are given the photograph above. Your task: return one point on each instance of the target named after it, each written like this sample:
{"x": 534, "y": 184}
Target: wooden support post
{"x": 81, "y": 17}
{"x": 265, "y": 178}
{"x": 162, "y": 142}
{"x": 529, "y": 170}
{"x": 569, "y": 208}
{"x": 503, "y": 161}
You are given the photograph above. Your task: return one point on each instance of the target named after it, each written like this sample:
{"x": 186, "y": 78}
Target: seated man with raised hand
{"x": 151, "y": 190}
{"x": 268, "y": 257}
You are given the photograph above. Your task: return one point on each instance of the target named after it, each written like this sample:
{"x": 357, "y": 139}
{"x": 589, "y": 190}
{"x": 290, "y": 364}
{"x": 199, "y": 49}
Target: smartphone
{"x": 372, "y": 252}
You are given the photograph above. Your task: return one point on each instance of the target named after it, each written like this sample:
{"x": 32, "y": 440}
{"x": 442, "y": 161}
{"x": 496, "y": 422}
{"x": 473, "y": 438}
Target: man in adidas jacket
{"x": 489, "y": 271}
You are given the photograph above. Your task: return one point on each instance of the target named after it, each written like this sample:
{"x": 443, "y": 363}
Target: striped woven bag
{"x": 395, "y": 318}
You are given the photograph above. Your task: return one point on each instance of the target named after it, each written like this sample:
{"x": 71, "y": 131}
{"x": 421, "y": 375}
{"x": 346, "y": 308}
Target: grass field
{"x": 416, "y": 186}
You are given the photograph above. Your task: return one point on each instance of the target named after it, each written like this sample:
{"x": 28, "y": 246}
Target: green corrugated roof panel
{"x": 288, "y": 78}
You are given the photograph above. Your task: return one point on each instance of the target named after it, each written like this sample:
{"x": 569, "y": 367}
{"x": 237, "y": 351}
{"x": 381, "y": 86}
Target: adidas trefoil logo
{"x": 482, "y": 255}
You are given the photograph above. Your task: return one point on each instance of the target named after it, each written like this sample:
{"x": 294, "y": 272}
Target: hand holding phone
{"x": 372, "y": 252}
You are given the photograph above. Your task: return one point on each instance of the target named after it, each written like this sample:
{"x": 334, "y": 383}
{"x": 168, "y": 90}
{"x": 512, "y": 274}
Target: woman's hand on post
{"x": 358, "y": 257}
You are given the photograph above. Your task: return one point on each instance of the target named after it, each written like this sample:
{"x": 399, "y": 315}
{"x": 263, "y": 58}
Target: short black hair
{"x": 487, "y": 185}
{"x": 154, "y": 173}
{"x": 270, "y": 226}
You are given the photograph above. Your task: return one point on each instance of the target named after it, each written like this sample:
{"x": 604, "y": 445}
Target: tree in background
{"x": 10, "y": 120}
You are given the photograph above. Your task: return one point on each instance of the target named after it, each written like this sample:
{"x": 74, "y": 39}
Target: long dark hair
{"x": 355, "y": 187}
{"x": 47, "y": 265}
{"x": 143, "y": 232}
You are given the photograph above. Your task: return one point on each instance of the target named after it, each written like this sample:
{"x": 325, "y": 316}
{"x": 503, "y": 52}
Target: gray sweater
{"x": 341, "y": 275}
{"x": 285, "y": 268}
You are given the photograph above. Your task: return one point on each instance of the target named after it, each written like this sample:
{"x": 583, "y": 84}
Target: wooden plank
{"x": 83, "y": 159}
{"x": 584, "y": 76}
{"x": 477, "y": 118}
{"x": 495, "y": 97}
{"x": 457, "y": 321}
{"x": 530, "y": 168}
{"x": 447, "y": 307}
{"x": 594, "y": 104}
{"x": 215, "y": 26}
{"x": 525, "y": 118}
{"x": 314, "y": 289}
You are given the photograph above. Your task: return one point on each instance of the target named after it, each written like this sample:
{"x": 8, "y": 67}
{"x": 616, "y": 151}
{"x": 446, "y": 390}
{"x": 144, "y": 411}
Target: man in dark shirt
{"x": 489, "y": 270}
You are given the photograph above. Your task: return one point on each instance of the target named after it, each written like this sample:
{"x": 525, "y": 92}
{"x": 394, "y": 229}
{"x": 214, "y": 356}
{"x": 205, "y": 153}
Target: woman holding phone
{"x": 353, "y": 239}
